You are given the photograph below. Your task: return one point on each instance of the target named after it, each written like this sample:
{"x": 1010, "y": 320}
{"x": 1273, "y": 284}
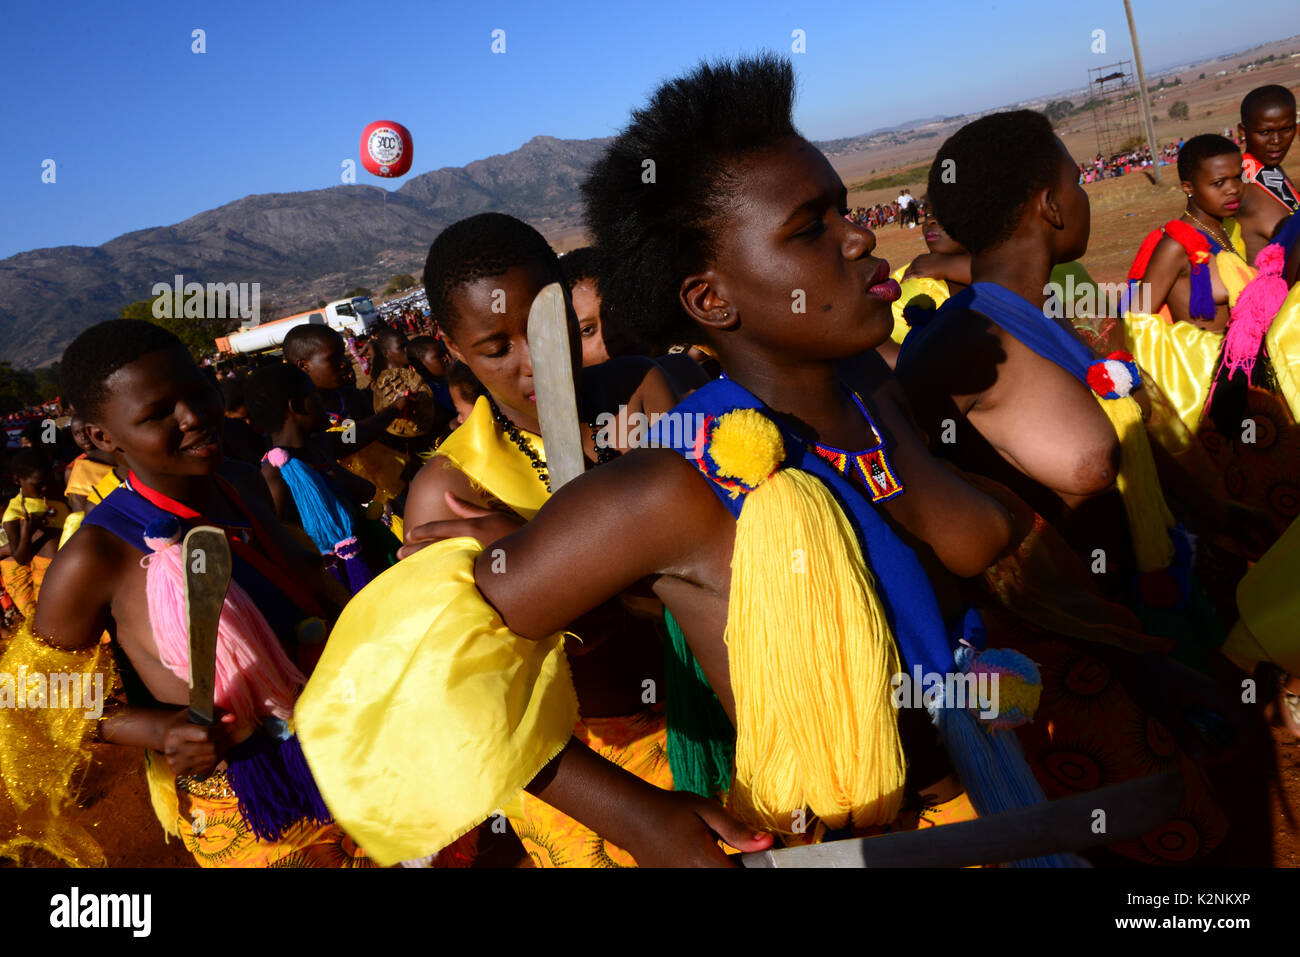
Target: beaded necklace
{"x": 1226, "y": 245}
{"x": 515, "y": 435}
{"x": 871, "y": 463}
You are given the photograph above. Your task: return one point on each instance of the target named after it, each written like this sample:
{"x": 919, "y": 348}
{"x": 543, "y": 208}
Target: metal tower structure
{"x": 1117, "y": 115}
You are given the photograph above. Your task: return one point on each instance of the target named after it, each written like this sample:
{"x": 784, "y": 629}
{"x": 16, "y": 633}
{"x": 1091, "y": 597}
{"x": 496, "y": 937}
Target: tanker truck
{"x": 351, "y": 317}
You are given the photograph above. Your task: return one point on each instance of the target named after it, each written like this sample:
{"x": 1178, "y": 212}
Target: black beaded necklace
{"x": 515, "y": 434}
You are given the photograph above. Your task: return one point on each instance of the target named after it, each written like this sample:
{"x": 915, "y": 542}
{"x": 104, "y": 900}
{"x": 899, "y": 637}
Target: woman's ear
{"x": 452, "y": 349}
{"x": 705, "y": 303}
{"x": 100, "y": 438}
{"x": 1049, "y": 208}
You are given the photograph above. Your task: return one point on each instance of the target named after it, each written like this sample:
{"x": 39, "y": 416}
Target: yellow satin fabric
{"x": 1180, "y": 356}
{"x": 70, "y": 526}
{"x": 913, "y": 286}
{"x": 104, "y": 487}
{"x": 1283, "y": 344}
{"x": 85, "y": 475}
{"x": 1269, "y": 602}
{"x": 426, "y": 714}
{"x": 379, "y": 465}
{"x": 99, "y": 490}
{"x": 56, "y": 511}
{"x": 938, "y": 291}
{"x": 480, "y": 450}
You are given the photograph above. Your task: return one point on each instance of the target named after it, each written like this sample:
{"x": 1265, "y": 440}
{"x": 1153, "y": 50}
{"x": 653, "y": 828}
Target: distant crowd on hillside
{"x": 907, "y": 210}
{"x": 1126, "y": 161}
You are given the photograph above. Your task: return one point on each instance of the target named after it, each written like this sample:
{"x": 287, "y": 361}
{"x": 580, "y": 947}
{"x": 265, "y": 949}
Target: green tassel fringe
{"x": 701, "y": 740}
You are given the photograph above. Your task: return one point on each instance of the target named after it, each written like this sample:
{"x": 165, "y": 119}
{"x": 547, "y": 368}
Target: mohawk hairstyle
{"x": 1000, "y": 161}
{"x": 1266, "y": 98}
{"x": 478, "y": 247}
{"x": 301, "y": 342}
{"x": 1200, "y": 148}
{"x": 651, "y": 235}
{"x": 100, "y": 351}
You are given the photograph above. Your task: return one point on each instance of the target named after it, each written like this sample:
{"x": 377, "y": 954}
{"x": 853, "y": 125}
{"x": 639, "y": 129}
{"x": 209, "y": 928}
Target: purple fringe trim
{"x": 274, "y": 786}
{"x": 1200, "y": 304}
{"x": 358, "y": 572}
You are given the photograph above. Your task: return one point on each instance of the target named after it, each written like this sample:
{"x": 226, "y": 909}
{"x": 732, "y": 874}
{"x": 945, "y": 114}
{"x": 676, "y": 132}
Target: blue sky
{"x": 145, "y": 132}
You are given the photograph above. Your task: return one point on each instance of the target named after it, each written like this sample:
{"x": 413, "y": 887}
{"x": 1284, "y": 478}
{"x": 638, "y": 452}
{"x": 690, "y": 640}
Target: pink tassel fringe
{"x": 254, "y": 674}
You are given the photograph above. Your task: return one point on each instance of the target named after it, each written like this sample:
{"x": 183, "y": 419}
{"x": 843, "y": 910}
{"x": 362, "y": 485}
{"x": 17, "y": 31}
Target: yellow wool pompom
{"x": 746, "y": 445}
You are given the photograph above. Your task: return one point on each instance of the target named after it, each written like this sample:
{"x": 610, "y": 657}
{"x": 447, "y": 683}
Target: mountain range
{"x": 305, "y": 246}
{"x": 299, "y": 246}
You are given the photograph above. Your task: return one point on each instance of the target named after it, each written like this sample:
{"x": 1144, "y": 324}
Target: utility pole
{"x": 1142, "y": 93}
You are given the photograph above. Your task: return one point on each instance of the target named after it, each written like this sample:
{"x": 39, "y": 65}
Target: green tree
{"x": 400, "y": 283}
{"x": 1201, "y": 77}
{"x": 17, "y": 389}
{"x": 1179, "y": 110}
{"x": 359, "y": 291}
{"x": 47, "y": 382}
{"x": 209, "y": 319}
{"x": 1058, "y": 110}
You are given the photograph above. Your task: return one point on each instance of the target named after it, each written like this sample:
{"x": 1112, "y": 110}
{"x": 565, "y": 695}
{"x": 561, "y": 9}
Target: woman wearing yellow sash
{"x": 496, "y": 461}
{"x": 1228, "y": 359}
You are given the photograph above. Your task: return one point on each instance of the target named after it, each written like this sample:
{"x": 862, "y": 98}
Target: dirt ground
{"x": 116, "y": 810}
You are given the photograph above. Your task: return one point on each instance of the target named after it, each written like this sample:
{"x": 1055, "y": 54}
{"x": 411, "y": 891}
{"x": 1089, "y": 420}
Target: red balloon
{"x": 386, "y": 148}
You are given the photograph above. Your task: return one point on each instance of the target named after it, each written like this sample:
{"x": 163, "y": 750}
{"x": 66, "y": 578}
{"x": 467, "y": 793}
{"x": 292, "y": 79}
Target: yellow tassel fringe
{"x": 811, "y": 657}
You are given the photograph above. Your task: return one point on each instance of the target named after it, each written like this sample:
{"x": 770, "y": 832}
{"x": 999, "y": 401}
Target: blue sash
{"x": 127, "y": 514}
{"x": 1020, "y": 318}
{"x": 905, "y": 590}
{"x": 1289, "y": 232}
{"x": 267, "y": 771}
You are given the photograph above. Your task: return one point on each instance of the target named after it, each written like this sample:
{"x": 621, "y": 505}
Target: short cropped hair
{"x": 478, "y": 247}
{"x": 101, "y": 350}
{"x": 416, "y": 347}
{"x": 387, "y": 336}
{"x": 459, "y": 376}
{"x": 268, "y": 392}
{"x": 1200, "y": 148}
{"x": 27, "y": 462}
{"x": 579, "y": 265}
{"x": 985, "y": 173}
{"x": 301, "y": 342}
{"x": 1266, "y": 98}
{"x": 651, "y": 232}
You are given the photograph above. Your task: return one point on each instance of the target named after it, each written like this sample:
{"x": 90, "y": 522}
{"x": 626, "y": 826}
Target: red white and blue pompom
{"x": 1115, "y": 376}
